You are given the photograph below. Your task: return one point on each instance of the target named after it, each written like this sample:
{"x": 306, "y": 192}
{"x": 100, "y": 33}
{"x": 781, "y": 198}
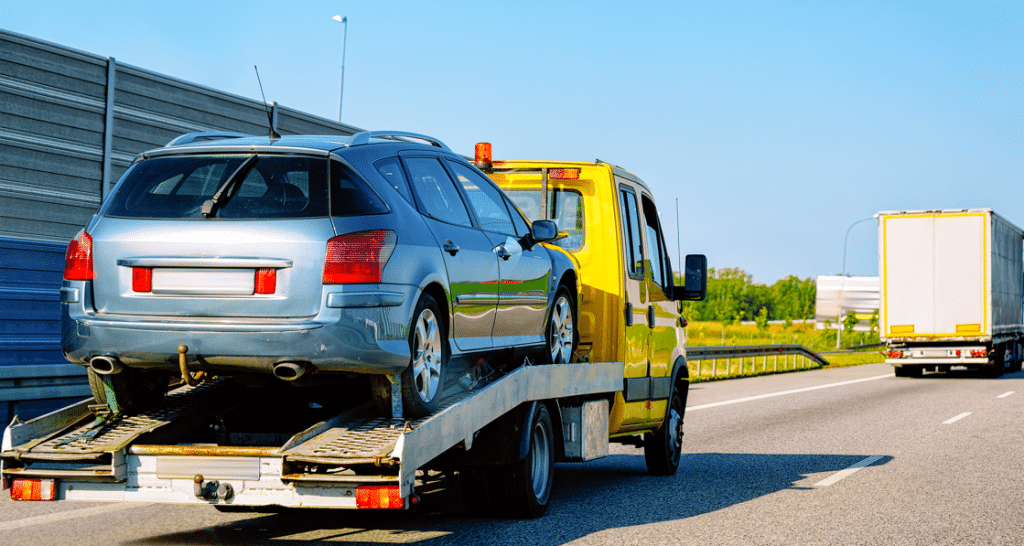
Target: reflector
{"x": 266, "y": 281}
{"x": 142, "y": 279}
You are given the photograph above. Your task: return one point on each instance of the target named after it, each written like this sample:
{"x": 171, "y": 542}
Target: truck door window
{"x": 485, "y": 199}
{"x": 435, "y": 191}
{"x": 631, "y": 233}
{"x": 660, "y": 268}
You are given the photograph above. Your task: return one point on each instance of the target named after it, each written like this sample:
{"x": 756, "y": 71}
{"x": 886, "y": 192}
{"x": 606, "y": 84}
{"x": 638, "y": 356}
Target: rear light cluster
{"x": 359, "y": 257}
{"x": 378, "y": 497}
{"x": 78, "y": 264}
{"x": 979, "y": 353}
{"x": 894, "y": 354}
{"x": 34, "y": 490}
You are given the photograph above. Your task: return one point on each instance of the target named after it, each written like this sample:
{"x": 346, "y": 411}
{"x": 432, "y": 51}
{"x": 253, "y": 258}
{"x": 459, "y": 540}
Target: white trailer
{"x": 219, "y": 444}
{"x": 950, "y": 289}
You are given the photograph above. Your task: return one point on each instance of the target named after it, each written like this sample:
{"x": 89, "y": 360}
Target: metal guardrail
{"x": 802, "y": 358}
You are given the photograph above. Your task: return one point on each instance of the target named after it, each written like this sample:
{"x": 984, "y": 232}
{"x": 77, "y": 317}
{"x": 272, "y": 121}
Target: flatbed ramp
{"x": 136, "y": 457}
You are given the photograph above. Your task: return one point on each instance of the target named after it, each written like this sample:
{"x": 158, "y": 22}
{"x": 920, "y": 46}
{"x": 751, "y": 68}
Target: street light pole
{"x": 842, "y": 284}
{"x": 344, "y": 40}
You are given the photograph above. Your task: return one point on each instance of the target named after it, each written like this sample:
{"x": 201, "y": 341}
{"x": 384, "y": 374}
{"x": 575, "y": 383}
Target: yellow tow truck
{"x": 629, "y": 311}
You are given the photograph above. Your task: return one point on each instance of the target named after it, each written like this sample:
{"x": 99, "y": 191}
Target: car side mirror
{"x": 543, "y": 231}
{"x": 695, "y": 280}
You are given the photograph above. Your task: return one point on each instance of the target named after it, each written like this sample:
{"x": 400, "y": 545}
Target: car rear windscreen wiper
{"x": 227, "y": 189}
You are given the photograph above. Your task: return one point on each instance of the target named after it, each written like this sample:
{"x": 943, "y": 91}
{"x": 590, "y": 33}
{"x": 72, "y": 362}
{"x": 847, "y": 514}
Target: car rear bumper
{"x": 363, "y": 331}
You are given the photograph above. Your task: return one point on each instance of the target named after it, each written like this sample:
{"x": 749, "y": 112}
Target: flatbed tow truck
{"x": 217, "y": 444}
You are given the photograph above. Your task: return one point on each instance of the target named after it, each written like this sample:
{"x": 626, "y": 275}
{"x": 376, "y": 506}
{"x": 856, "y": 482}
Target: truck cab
{"x": 629, "y": 311}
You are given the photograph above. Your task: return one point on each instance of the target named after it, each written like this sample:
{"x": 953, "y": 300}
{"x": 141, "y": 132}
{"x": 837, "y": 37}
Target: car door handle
{"x": 503, "y": 252}
{"x": 451, "y": 248}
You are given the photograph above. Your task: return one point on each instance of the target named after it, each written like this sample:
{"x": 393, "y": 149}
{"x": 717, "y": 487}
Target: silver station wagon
{"x": 312, "y": 259}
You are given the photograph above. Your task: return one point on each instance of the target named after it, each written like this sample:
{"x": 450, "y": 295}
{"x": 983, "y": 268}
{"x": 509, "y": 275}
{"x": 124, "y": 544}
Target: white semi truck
{"x": 950, "y": 291}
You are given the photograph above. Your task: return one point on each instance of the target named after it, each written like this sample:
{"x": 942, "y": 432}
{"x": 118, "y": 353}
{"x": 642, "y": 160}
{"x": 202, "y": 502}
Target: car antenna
{"x": 270, "y": 117}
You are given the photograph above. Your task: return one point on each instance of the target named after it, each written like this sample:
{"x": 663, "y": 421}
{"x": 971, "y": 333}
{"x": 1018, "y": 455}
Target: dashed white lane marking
{"x": 957, "y": 418}
{"x": 780, "y": 393}
{"x": 69, "y": 514}
{"x": 844, "y": 473}
{"x": 1005, "y": 394}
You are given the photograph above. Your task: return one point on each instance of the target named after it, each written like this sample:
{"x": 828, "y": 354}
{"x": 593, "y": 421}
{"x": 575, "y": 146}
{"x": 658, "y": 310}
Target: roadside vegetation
{"x": 739, "y": 312}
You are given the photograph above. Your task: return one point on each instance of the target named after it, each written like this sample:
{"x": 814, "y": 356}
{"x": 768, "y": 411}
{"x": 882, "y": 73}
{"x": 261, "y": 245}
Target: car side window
{"x": 660, "y": 268}
{"x": 436, "y": 192}
{"x": 631, "y": 233}
{"x": 486, "y": 199}
{"x": 391, "y": 169}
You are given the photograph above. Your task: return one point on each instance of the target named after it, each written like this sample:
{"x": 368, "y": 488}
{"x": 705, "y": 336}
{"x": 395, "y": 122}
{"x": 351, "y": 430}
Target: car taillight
{"x": 142, "y": 279}
{"x": 266, "y": 281}
{"x": 379, "y": 497}
{"x": 358, "y": 257}
{"x": 34, "y": 490}
{"x": 78, "y": 259}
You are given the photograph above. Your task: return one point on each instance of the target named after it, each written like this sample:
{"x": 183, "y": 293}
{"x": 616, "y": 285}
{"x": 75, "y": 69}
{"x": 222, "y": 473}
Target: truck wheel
{"x": 528, "y": 482}
{"x": 133, "y": 390}
{"x": 423, "y": 380}
{"x": 561, "y": 331}
{"x": 664, "y": 448}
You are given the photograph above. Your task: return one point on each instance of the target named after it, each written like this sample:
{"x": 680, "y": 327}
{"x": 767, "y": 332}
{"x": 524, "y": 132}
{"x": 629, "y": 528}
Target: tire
{"x": 528, "y": 482}
{"x": 561, "y": 335}
{"x": 134, "y": 390}
{"x": 423, "y": 379}
{"x": 663, "y": 448}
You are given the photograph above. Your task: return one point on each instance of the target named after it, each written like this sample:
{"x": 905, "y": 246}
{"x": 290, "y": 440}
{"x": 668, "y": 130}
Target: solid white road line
{"x": 957, "y": 418}
{"x": 842, "y": 474}
{"x": 69, "y": 514}
{"x": 1005, "y": 394}
{"x": 794, "y": 391}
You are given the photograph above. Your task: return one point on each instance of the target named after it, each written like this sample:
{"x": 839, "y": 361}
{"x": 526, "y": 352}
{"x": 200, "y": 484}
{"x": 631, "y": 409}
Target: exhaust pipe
{"x": 289, "y": 371}
{"x": 106, "y": 365}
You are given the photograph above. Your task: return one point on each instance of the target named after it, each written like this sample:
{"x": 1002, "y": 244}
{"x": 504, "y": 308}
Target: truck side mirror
{"x": 543, "y": 231}
{"x": 695, "y": 279}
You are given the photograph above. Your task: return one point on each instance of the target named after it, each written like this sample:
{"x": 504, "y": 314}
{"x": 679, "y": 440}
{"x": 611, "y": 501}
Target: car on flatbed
{"x": 310, "y": 258}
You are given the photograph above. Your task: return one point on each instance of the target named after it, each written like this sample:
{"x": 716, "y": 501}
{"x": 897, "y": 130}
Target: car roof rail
{"x": 364, "y": 137}
{"x": 206, "y": 135}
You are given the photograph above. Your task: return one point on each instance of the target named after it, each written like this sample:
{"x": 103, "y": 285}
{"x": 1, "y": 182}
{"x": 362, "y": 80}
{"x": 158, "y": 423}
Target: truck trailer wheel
{"x": 521, "y": 489}
{"x": 664, "y": 448}
{"x": 133, "y": 390}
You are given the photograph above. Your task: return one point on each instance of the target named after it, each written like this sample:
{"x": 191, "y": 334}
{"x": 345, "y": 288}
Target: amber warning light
{"x": 482, "y": 156}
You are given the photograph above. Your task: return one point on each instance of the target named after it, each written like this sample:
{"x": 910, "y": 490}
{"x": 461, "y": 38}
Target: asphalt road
{"x": 843, "y": 456}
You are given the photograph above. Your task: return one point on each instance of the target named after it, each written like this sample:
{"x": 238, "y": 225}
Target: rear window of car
{"x": 266, "y": 187}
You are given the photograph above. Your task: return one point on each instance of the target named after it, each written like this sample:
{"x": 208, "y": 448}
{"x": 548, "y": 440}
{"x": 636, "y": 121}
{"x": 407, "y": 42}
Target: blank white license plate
{"x": 203, "y": 281}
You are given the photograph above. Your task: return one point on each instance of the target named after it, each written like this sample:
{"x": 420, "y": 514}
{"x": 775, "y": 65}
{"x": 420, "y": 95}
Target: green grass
{"x": 706, "y": 333}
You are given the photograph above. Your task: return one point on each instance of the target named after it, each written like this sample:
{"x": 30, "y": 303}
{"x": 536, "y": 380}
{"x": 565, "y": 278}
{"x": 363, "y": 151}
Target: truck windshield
{"x": 565, "y": 208}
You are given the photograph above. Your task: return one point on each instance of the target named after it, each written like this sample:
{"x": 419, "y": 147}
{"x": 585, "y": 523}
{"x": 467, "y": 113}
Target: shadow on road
{"x": 609, "y": 493}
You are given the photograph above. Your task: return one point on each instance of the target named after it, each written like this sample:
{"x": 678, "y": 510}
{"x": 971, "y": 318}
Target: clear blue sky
{"x": 776, "y": 125}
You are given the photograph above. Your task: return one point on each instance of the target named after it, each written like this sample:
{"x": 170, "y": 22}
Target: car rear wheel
{"x": 561, "y": 331}
{"x": 423, "y": 380}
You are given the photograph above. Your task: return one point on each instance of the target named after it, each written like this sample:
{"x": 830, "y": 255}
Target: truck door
{"x": 636, "y": 365}
{"x": 663, "y": 317}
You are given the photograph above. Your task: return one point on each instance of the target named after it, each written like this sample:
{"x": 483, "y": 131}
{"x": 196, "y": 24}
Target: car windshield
{"x": 565, "y": 208}
{"x": 178, "y": 187}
